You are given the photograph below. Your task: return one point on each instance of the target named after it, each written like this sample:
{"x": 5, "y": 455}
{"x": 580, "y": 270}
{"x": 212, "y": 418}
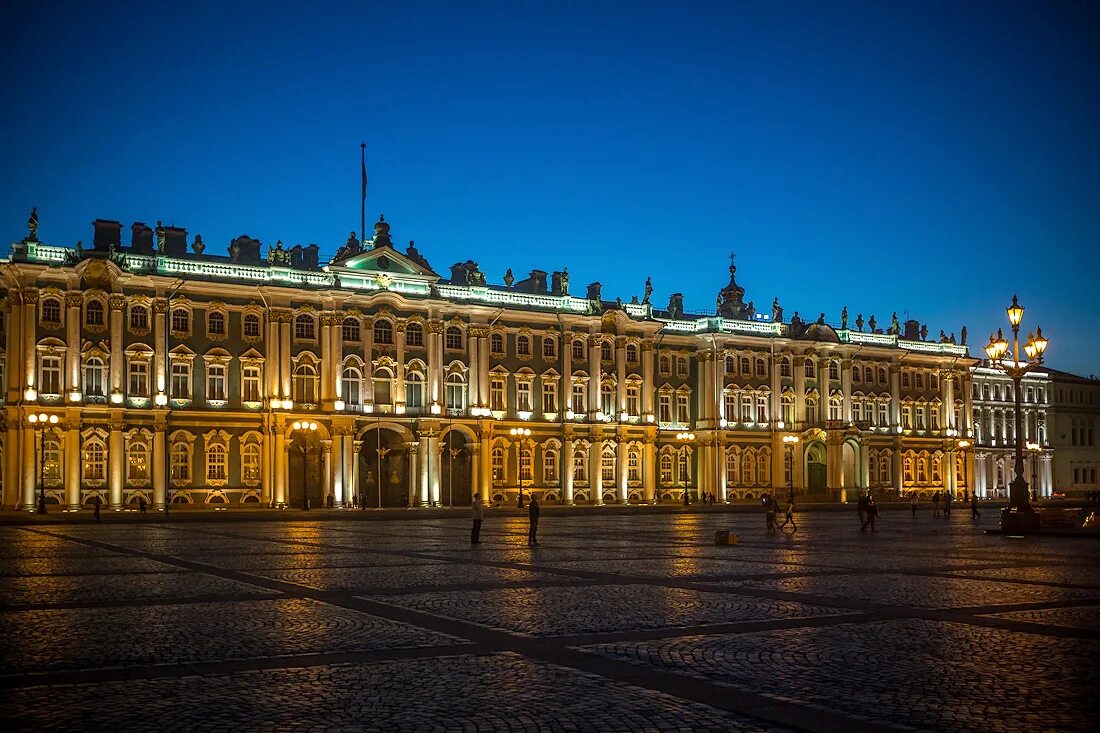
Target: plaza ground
{"x": 617, "y": 620}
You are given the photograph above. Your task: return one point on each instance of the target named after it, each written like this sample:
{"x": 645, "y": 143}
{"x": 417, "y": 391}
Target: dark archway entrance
{"x": 304, "y": 473}
{"x": 383, "y": 470}
{"x": 456, "y": 464}
{"x": 816, "y": 469}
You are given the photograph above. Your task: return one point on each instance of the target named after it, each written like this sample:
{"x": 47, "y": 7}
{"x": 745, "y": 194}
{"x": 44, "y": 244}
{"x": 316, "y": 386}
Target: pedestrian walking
{"x": 872, "y": 512}
{"x": 142, "y": 504}
{"x": 936, "y": 504}
{"x": 477, "y": 513}
{"x": 946, "y": 504}
{"x": 975, "y": 515}
{"x": 913, "y": 502}
{"x": 533, "y": 515}
{"x": 861, "y": 505}
{"x": 95, "y": 506}
{"x": 789, "y": 515}
{"x": 769, "y": 512}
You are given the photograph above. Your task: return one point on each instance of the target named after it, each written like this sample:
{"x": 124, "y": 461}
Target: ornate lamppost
{"x": 1034, "y": 449}
{"x": 963, "y": 446}
{"x": 1019, "y": 515}
{"x": 519, "y": 434}
{"x": 684, "y": 438}
{"x": 38, "y": 423}
{"x": 304, "y": 427}
{"x": 790, "y": 441}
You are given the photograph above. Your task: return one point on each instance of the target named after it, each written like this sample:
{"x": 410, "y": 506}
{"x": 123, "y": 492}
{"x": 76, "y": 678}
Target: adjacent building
{"x": 1074, "y": 420}
{"x": 995, "y": 435}
{"x": 173, "y": 374}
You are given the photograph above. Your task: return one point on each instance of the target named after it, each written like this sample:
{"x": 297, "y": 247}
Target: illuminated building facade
{"x": 179, "y": 375}
{"x": 1075, "y": 432}
{"x": 995, "y": 431}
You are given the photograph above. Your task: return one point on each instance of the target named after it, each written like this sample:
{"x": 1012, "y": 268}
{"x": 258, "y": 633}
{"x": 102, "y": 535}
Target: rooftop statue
{"x": 648, "y": 289}
{"x": 565, "y": 281}
{"x": 32, "y": 225}
{"x": 962, "y": 336}
{"x": 844, "y": 318}
{"x": 796, "y": 323}
{"x": 159, "y": 231}
{"x": 895, "y": 327}
{"x": 859, "y": 321}
{"x": 197, "y": 245}
{"x": 777, "y": 311}
{"x": 872, "y": 323}
{"x": 509, "y": 278}
{"x": 821, "y": 320}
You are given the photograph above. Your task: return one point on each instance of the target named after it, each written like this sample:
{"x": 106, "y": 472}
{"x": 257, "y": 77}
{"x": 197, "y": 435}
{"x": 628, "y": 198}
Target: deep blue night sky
{"x": 926, "y": 158}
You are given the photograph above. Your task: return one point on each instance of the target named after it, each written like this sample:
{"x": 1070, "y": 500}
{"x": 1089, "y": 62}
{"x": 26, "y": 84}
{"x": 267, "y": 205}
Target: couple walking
{"x": 477, "y": 512}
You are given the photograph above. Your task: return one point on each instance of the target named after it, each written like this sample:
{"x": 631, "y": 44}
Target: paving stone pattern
{"x": 613, "y": 623}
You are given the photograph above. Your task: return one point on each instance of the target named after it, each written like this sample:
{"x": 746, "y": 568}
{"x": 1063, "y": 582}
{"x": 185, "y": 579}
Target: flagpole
{"x": 363, "y": 201}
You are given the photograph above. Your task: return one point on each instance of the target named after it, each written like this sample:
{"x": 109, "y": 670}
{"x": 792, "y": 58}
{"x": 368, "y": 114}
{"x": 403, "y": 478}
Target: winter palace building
{"x": 171, "y": 374}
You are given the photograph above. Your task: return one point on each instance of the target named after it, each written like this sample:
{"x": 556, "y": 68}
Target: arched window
{"x": 305, "y": 383}
{"x": 868, "y": 375}
{"x": 251, "y": 326}
{"x": 498, "y": 464}
{"x": 550, "y": 466}
{"x": 633, "y": 465}
{"x": 305, "y": 327}
{"x": 215, "y": 324}
{"x": 352, "y": 382}
{"x": 607, "y": 398}
{"x": 496, "y": 343}
{"x": 181, "y": 462}
{"x": 605, "y": 351}
{"x": 731, "y": 365}
{"x": 93, "y": 313}
{"x": 580, "y": 466}
{"x": 383, "y": 386}
{"x": 748, "y": 470}
{"x": 95, "y": 460}
{"x": 785, "y": 366}
{"x": 907, "y": 470}
{"x": 49, "y": 376}
{"x": 685, "y": 468}
{"x": 763, "y": 469}
{"x": 882, "y": 375}
{"x": 51, "y": 311}
{"x": 523, "y": 345}
{"x": 95, "y": 372}
{"x": 139, "y": 317}
{"x": 746, "y": 366}
{"x": 137, "y": 460}
{"x": 578, "y": 350}
{"x": 884, "y": 470}
{"x": 732, "y": 473}
{"x": 51, "y": 458}
{"x": 526, "y": 459}
{"x": 937, "y": 473}
{"x": 666, "y": 469}
{"x": 350, "y": 330}
{"x": 414, "y": 390}
{"x": 810, "y": 369}
{"x": 631, "y": 353}
{"x": 414, "y": 334}
{"x": 761, "y": 368}
{"x": 455, "y": 392}
{"x": 664, "y": 365}
{"x": 383, "y": 332}
{"x": 217, "y": 465}
{"x": 452, "y": 337}
{"x": 549, "y": 348}
{"x": 250, "y": 463}
{"x": 857, "y": 374}
{"x": 607, "y": 465}
{"x": 786, "y": 406}
{"x": 181, "y": 320}
{"x": 682, "y": 365}
{"x": 834, "y": 370}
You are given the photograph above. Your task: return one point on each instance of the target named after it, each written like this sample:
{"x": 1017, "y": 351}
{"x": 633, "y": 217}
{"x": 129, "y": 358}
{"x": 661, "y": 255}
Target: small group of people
{"x": 771, "y": 508}
{"x": 477, "y": 514}
{"x": 868, "y": 512}
{"x": 946, "y": 499}
{"x": 708, "y": 497}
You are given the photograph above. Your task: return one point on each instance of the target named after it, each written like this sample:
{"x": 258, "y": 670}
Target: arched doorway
{"x": 383, "y": 470}
{"x": 853, "y": 471}
{"x": 456, "y": 469}
{"x": 816, "y": 472}
{"x": 304, "y": 471}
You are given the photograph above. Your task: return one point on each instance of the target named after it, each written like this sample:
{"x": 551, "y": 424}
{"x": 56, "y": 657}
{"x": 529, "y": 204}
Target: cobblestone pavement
{"x": 618, "y": 622}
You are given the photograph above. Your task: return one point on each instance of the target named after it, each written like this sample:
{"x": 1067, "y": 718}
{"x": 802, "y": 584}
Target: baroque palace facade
{"x": 170, "y": 374}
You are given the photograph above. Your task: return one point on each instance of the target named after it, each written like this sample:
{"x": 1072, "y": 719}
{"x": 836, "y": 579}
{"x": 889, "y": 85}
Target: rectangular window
{"x": 731, "y": 407}
{"x": 496, "y": 395}
{"x": 181, "y": 380}
{"x": 549, "y": 397}
{"x": 580, "y": 393}
{"x": 50, "y": 378}
{"x": 181, "y": 463}
{"x": 682, "y": 415}
{"x": 934, "y": 417}
{"x": 525, "y": 465}
{"x": 139, "y": 379}
{"x": 882, "y": 419}
{"x": 664, "y": 408}
{"x": 250, "y": 384}
{"x": 907, "y": 417}
{"x": 215, "y": 382}
{"x": 523, "y": 396}
{"x": 632, "y": 401}
{"x": 550, "y": 467}
{"x": 761, "y": 409}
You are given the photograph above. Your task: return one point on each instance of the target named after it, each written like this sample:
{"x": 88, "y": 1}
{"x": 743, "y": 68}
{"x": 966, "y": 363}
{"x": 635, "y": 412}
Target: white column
{"x": 368, "y": 360}
{"x": 273, "y": 362}
{"x": 620, "y": 375}
{"x": 327, "y": 358}
{"x": 116, "y": 455}
{"x": 328, "y": 468}
{"x": 567, "y": 471}
{"x": 337, "y": 467}
{"x": 947, "y": 383}
{"x": 284, "y": 354}
{"x": 620, "y": 470}
{"x": 649, "y": 470}
{"x": 160, "y": 383}
{"x": 647, "y": 380}
{"x": 30, "y": 337}
{"x": 72, "y": 340}
{"x": 424, "y": 450}
{"x": 72, "y": 464}
{"x": 895, "y": 397}
{"x": 594, "y": 374}
{"x": 473, "y": 342}
{"x": 267, "y": 467}
{"x": 477, "y": 487}
{"x": 15, "y": 371}
{"x": 117, "y": 303}
{"x": 28, "y": 470}
{"x": 595, "y": 471}
{"x": 846, "y": 390}
{"x": 158, "y": 466}
{"x": 280, "y": 467}
{"x": 799, "y": 365}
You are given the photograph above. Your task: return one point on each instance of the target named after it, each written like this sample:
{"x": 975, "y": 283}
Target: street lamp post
{"x": 381, "y": 472}
{"x": 305, "y": 427}
{"x": 1034, "y": 449}
{"x": 997, "y": 349}
{"x": 38, "y": 424}
{"x": 684, "y": 438}
{"x": 790, "y": 441}
{"x": 963, "y": 445}
{"x": 518, "y": 434}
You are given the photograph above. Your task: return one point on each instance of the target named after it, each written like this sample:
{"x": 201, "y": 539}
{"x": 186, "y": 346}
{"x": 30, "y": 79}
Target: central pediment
{"x": 381, "y": 260}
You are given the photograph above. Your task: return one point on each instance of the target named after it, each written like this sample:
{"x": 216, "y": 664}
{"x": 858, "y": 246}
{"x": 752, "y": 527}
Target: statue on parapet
{"x": 844, "y": 318}
{"x": 777, "y": 311}
{"x": 872, "y": 324}
{"x": 648, "y": 289}
{"x": 198, "y": 245}
{"x": 943, "y": 337}
{"x": 509, "y": 278}
{"x": 924, "y": 332}
{"x": 895, "y": 327}
{"x": 32, "y": 225}
{"x": 676, "y": 305}
{"x": 962, "y": 336}
{"x": 821, "y": 320}
{"x": 796, "y": 323}
{"x": 159, "y": 231}
{"x": 235, "y": 251}
{"x": 565, "y": 281}
{"x": 859, "y": 321}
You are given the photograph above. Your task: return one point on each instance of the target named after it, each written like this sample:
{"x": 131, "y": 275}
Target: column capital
{"x": 117, "y": 302}
{"x": 30, "y": 296}
{"x": 74, "y": 299}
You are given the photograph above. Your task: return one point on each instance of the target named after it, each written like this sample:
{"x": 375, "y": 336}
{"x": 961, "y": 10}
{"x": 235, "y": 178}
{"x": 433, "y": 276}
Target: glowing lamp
{"x": 30, "y": 395}
{"x": 1015, "y": 312}
{"x": 436, "y": 409}
{"x": 74, "y": 396}
{"x": 1040, "y": 342}
{"x": 116, "y": 398}
{"x": 339, "y": 405}
{"x": 1029, "y": 347}
{"x": 161, "y": 399}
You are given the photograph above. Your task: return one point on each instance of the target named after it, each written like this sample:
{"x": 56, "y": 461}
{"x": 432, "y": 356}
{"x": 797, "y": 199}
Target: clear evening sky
{"x": 926, "y": 158}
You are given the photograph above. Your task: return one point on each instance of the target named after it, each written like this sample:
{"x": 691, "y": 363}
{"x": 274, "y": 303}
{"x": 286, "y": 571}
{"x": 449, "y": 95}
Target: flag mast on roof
{"x": 363, "y": 201}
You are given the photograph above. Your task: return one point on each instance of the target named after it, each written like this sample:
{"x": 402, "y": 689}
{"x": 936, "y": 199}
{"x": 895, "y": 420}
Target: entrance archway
{"x": 849, "y": 456}
{"x": 816, "y": 471}
{"x": 304, "y": 472}
{"x": 383, "y": 470}
{"x": 456, "y": 469}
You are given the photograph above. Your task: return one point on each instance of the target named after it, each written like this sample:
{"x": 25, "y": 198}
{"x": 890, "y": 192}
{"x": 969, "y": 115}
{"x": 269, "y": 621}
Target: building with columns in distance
{"x": 995, "y": 432}
{"x": 179, "y": 375}
{"x": 1074, "y": 432}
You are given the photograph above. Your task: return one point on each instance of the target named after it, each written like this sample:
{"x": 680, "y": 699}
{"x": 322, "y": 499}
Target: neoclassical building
{"x": 173, "y": 374}
{"x": 995, "y": 431}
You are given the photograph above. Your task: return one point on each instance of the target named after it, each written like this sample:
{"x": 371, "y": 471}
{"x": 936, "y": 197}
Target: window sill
{"x": 217, "y": 404}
